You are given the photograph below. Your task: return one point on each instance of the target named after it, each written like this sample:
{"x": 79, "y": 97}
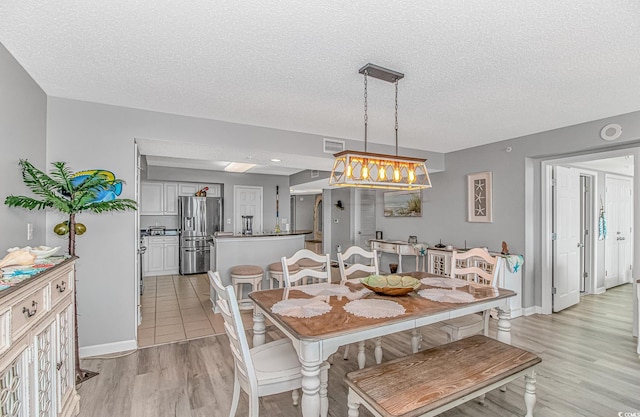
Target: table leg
{"x": 361, "y": 355}
{"x": 259, "y": 329}
{"x": 378, "y": 350}
{"x": 504, "y": 325}
{"x": 310, "y": 390}
{"x": 415, "y": 341}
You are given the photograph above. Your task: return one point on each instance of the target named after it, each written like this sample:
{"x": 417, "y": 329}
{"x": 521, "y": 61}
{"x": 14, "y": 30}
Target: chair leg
{"x": 345, "y": 356}
{"x": 415, "y": 341}
{"x": 361, "y": 356}
{"x": 353, "y": 404}
{"x": 530, "y": 393}
{"x": 295, "y": 396}
{"x": 324, "y": 400}
{"x": 236, "y": 395}
{"x": 254, "y": 406}
{"x": 481, "y": 399}
{"x": 378, "y": 350}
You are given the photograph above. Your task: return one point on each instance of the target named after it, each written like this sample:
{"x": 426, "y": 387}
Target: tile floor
{"x": 177, "y": 307}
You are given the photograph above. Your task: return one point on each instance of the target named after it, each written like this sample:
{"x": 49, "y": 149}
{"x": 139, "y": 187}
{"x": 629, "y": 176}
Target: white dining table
{"x": 317, "y": 338}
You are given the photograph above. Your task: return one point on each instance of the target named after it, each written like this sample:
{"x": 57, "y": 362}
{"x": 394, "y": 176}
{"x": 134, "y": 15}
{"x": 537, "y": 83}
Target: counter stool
{"x": 306, "y": 263}
{"x": 246, "y": 274}
{"x": 275, "y": 273}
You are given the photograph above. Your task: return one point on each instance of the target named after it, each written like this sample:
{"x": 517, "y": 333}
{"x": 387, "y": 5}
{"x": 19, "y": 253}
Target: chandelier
{"x": 374, "y": 170}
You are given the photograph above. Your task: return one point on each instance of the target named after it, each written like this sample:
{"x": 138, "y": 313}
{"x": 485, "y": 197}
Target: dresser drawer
{"x": 385, "y": 247}
{"x": 28, "y": 311}
{"x": 61, "y": 287}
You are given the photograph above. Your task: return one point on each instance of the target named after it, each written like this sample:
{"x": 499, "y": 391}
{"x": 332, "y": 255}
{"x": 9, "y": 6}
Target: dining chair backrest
{"x": 291, "y": 278}
{"x": 227, "y": 302}
{"x": 476, "y": 265}
{"x": 343, "y": 258}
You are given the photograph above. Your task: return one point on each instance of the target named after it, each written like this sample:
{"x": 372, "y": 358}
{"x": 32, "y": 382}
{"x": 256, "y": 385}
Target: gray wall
{"x": 229, "y": 180}
{"x": 340, "y": 220}
{"x": 23, "y": 117}
{"x": 516, "y": 193}
{"x": 304, "y": 212}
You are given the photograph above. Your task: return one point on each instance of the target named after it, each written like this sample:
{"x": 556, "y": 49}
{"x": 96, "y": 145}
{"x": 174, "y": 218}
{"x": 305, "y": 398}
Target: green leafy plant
{"x": 61, "y": 191}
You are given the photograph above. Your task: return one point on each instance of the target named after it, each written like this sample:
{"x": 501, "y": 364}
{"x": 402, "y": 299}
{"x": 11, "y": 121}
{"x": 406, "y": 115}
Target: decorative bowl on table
{"x": 390, "y": 284}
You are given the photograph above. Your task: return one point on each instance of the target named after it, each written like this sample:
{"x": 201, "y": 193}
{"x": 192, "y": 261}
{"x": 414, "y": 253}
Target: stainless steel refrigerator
{"x": 200, "y": 218}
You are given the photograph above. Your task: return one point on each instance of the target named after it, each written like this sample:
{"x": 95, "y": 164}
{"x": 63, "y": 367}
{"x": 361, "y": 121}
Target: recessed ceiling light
{"x": 238, "y": 167}
{"x": 275, "y": 160}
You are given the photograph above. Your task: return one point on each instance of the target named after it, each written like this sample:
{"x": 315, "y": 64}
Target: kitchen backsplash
{"x": 170, "y": 222}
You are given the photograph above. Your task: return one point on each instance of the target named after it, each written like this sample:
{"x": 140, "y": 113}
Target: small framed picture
{"x": 479, "y": 188}
{"x": 403, "y": 204}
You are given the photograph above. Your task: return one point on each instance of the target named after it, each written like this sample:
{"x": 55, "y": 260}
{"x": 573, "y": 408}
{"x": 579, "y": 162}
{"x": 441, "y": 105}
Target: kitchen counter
{"x": 269, "y": 234}
{"x": 166, "y": 232}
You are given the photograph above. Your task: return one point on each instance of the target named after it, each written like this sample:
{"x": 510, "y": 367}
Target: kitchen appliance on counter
{"x": 200, "y": 218}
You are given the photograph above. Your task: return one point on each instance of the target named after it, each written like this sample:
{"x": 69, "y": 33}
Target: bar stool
{"x": 306, "y": 263}
{"x": 275, "y": 273}
{"x": 246, "y": 274}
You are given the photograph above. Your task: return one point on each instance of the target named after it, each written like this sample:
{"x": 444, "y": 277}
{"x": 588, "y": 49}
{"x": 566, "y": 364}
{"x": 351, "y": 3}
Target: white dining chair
{"x": 475, "y": 265}
{"x": 263, "y": 370}
{"x": 302, "y": 276}
{"x": 345, "y": 273}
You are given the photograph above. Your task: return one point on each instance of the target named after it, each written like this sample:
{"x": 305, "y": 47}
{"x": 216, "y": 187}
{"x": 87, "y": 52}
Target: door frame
{"x": 546, "y": 252}
{"x": 631, "y": 240}
{"x": 235, "y": 206}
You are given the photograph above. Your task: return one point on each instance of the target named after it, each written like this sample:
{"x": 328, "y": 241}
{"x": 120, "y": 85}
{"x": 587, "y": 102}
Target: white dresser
{"x": 439, "y": 262}
{"x": 37, "y": 365}
{"x": 397, "y": 247}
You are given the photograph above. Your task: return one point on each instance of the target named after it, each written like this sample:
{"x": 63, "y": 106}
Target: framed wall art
{"x": 403, "y": 204}
{"x": 479, "y": 188}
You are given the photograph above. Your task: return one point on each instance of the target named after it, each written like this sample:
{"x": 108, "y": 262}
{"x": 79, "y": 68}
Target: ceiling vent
{"x": 332, "y": 146}
{"x": 315, "y": 173}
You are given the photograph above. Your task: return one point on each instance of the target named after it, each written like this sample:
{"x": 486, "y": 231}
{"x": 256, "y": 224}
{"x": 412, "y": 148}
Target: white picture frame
{"x": 480, "y": 197}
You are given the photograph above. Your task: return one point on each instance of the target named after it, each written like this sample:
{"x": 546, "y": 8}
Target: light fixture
{"x": 373, "y": 170}
{"x": 238, "y": 167}
{"x": 275, "y": 160}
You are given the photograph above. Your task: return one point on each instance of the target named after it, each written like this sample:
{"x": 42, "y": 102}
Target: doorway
{"x": 589, "y": 201}
{"x": 247, "y": 201}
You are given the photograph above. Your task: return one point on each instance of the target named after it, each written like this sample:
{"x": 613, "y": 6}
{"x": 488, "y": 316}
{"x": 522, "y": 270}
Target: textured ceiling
{"x": 476, "y": 71}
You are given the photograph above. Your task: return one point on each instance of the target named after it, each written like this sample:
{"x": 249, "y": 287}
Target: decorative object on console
{"x": 505, "y": 248}
{"x": 479, "y": 191}
{"x": 71, "y": 194}
{"x": 373, "y": 170}
{"x": 18, "y": 256}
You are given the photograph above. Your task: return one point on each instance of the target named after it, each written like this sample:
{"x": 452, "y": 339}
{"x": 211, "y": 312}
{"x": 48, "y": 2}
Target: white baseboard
{"x": 527, "y": 311}
{"x": 108, "y": 348}
{"x": 600, "y": 290}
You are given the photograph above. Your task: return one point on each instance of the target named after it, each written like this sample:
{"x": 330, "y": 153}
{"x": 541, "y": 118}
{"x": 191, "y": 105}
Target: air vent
{"x": 315, "y": 173}
{"x": 332, "y": 146}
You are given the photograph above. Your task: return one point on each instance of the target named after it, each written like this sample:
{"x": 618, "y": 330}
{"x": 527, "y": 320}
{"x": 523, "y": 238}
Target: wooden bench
{"x": 430, "y": 382}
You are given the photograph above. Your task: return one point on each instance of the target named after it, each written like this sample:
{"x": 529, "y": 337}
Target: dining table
{"x": 316, "y": 338}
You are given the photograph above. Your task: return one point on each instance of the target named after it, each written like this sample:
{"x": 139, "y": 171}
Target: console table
{"x": 399, "y": 248}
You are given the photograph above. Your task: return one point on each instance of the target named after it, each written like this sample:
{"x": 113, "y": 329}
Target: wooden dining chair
{"x": 302, "y": 276}
{"x": 263, "y": 370}
{"x": 345, "y": 273}
{"x": 475, "y": 265}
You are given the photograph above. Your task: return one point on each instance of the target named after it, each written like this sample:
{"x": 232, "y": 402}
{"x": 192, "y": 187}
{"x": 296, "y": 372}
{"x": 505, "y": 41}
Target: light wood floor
{"x": 589, "y": 368}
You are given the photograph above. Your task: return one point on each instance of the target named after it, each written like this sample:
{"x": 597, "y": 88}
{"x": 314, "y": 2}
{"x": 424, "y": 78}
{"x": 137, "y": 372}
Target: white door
{"x": 618, "y": 253}
{"x": 566, "y": 247}
{"x": 247, "y": 202}
{"x": 364, "y": 217}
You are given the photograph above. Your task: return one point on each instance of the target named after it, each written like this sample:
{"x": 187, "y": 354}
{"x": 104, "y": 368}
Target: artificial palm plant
{"x": 71, "y": 194}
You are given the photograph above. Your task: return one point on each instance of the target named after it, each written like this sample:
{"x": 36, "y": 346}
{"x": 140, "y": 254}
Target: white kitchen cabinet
{"x": 190, "y": 189}
{"x": 158, "y": 198}
{"x": 161, "y": 257}
{"x": 37, "y": 368}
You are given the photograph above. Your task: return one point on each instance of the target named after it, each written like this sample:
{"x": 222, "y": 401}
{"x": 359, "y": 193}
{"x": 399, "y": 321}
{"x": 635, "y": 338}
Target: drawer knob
{"x": 62, "y": 287}
{"x": 31, "y": 312}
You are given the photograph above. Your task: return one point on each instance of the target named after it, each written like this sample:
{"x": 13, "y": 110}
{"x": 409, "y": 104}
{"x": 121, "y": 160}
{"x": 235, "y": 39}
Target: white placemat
{"x": 446, "y": 296}
{"x": 374, "y": 309}
{"x": 323, "y": 288}
{"x": 444, "y": 282}
{"x": 301, "y": 307}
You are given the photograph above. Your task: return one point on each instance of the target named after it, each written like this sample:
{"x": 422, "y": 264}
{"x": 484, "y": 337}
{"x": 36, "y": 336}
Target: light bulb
{"x": 365, "y": 172}
{"x": 412, "y": 176}
{"x": 349, "y": 171}
{"x": 396, "y": 174}
{"x": 381, "y": 173}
